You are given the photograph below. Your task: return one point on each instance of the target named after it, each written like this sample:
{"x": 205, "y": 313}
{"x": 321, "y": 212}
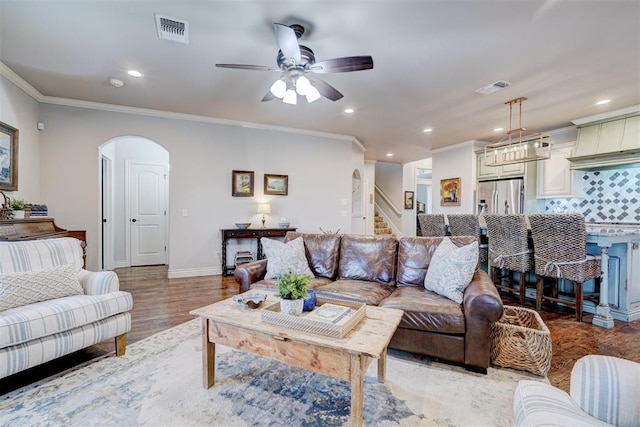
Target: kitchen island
{"x": 619, "y": 246}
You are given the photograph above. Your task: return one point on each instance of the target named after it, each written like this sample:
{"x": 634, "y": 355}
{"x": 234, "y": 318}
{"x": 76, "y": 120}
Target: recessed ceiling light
{"x": 134, "y": 73}
{"x": 498, "y": 129}
{"x": 349, "y": 110}
{"x": 427, "y": 130}
{"x": 603, "y": 101}
{"x": 389, "y": 154}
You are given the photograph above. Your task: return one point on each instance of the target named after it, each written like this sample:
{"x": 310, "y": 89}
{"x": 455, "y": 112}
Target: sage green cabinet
{"x": 485, "y": 173}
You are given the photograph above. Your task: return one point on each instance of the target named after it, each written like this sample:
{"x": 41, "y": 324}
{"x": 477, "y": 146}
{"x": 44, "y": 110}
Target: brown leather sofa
{"x": 389, "y": 272}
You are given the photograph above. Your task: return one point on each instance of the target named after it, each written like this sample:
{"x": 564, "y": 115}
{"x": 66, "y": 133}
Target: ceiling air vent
{"x": 172, "y": 29}
{"x": 494, "y": 87}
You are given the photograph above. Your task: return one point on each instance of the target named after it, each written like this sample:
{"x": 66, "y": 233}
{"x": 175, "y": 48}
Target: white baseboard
{"x": 193, "y": 272}
{"x": 121, "y": 264}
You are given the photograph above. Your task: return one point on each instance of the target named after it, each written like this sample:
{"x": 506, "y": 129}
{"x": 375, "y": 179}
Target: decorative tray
{"x": 249, "y": 301}
{"x": 344, "y": 317}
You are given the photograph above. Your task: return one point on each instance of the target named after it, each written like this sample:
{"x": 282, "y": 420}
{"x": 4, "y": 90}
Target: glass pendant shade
{"x": 302, "y": 85}
{"x": 278, "y": 88}
{"x": 312, "y": 94}
{"x": 290, "y": 97}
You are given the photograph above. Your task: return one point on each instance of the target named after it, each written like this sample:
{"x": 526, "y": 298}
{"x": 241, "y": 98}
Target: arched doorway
{"x": 134, "y": 185}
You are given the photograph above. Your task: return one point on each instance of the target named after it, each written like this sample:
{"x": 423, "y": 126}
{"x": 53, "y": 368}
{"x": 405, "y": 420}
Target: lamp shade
{"x": 290, "y": 97}
{"x": 264, "y": 208}
{"x": 278, "y": 88}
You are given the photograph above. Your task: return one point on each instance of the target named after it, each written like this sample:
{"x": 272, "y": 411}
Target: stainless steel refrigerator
{"x": 501, "y": 197}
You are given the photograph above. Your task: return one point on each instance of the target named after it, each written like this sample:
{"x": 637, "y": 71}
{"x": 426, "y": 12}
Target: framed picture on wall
{"x": 242, "y": 183}
{"x": 408, "y": 199}
{"x": 8, "y": 157}
{"x": 277, "y": 185}
{"x": 450, "y": 192}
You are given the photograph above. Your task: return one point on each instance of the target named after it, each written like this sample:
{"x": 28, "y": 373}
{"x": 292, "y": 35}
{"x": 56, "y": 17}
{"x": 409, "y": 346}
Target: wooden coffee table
{"x": 346, "y": 359}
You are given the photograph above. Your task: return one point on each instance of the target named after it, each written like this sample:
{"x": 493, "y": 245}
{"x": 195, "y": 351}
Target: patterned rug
{"x": 159, "y": 383}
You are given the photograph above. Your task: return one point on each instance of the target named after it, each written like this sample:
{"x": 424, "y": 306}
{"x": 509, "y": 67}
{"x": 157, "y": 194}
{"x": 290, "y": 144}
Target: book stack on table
{"x": 243, "y": 257}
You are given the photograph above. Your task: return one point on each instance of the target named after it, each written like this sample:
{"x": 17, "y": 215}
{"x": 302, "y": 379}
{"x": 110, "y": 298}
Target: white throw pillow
{"x": 451, "y": 269}
{"x": 285, "y": 256}
{"x": 18, "y": 289}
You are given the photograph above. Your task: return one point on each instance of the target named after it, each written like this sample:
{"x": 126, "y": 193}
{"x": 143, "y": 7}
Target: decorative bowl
{"x": 283, "y": 224}
{"x": 243, "y": 225}
{"x": 250, "y": 301}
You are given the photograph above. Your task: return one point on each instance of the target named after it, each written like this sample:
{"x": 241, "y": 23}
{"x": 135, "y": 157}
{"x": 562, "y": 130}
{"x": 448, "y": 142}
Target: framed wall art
{"x": 408, "y": 199}
{"x": 450, "y": 192}
{"x": 277, "y": 185}
{"x": 8, "y": 157}
{"x": 242, "y": 183}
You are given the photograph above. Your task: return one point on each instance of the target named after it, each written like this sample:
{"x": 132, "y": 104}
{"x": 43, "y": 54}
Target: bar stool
{"x": 560, "y": 246}
{"x": 468, "y": 225}
{"x": 432, "y": 225}
{"x": 509, "y": 250}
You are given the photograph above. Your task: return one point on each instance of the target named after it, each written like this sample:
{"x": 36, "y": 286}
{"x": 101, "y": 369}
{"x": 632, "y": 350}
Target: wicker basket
{"x": 521, "y": 340}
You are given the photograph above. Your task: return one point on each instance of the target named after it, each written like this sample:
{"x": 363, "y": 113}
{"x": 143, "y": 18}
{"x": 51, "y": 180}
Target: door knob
{"x": 134, "y": 220}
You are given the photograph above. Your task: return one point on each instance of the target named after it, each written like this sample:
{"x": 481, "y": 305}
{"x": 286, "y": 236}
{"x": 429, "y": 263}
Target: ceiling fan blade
{"x": 325, "y": 88}
{"x": 343, "y": 65}
{"x": 268, "y": 97}
{"x": 287, "y": 41}
{"x": 248, "y": 67}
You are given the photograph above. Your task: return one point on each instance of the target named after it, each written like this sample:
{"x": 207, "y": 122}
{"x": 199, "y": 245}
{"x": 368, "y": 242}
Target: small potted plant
{"x": 292, "y": 288}
{"x": 18, "y": 207}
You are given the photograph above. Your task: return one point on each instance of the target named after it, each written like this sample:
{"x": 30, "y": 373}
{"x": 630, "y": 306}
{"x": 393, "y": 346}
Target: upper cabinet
{"x": 485, "y": 173}
{"x": 555, "y": 177}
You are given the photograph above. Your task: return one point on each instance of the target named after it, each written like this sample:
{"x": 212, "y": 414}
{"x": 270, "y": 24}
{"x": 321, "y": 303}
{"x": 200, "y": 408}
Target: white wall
{"x": 202, "y": 158}
{"x": 370, "y": 179}
{"x": 458, "y": 161}
{"x": 21, "y": 111}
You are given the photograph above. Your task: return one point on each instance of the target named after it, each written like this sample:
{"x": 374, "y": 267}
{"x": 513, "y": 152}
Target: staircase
{"x": 380, "y": 227}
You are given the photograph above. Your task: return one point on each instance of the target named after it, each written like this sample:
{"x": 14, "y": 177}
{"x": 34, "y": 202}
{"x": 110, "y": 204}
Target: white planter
{"x": 291, "y": 306}
{"x": 18, "y": 214}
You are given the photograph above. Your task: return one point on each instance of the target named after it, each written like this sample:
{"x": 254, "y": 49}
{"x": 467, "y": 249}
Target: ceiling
{"x": 429, "y": 58}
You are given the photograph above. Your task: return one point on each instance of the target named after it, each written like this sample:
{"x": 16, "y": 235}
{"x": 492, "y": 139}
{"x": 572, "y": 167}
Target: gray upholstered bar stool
{"x": 468, "y": 225}
{"x": 432, "y": 225}
{"x": 509, "y": 251}
{"x": 560, "y": 246}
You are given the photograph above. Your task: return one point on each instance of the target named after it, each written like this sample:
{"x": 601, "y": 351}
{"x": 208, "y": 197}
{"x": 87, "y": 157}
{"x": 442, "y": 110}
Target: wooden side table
{"x": 247, "y": 233}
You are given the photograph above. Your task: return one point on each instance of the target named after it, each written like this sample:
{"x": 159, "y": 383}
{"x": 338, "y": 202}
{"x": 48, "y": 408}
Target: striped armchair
{"x": 603, "y": 392}
{"x": 50, "y": 306}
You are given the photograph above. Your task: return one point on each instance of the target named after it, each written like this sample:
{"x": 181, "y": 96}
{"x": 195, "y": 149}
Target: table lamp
{"x": 264, "y": 208}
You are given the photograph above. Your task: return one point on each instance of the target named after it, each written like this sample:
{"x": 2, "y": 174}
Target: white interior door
{"x": 147, "y": 213}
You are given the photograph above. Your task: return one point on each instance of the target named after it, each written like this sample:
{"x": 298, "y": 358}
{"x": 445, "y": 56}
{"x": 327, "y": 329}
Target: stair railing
{"x": 388, "y": 211}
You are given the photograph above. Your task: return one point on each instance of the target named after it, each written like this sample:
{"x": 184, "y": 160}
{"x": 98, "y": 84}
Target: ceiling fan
{"x": 297, "y": 64}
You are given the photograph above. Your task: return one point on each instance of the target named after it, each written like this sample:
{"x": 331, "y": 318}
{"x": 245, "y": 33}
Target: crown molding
{"x": 68, "y": 102}
{"x": 633, "y": 110}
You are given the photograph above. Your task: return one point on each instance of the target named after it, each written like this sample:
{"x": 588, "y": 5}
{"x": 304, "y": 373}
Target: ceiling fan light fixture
{"x": 278, "y": 88}
{"x": 290, "y": 97}
{"x": 302, "y": 85}
{"x": 312, "y": 94}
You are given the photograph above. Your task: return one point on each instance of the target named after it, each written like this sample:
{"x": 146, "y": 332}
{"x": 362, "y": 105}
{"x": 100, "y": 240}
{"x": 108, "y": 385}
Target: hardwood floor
{"x": 161, "y": 303}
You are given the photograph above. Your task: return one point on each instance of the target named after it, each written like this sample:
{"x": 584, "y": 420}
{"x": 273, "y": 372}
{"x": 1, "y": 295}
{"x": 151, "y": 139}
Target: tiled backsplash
{"x": 607, "y": 195}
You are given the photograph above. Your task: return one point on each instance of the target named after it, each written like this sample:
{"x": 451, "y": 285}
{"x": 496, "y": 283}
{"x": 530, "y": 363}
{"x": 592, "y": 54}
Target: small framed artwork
{"x": 408, "y": 199}
{"x": 277, "y": 185}
{"x": 8, "y": 157}
{"x": 450, "y": 192}
{"x": 242, "y": 183}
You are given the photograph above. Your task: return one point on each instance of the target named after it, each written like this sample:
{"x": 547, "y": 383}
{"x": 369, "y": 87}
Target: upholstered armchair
{"x": 604, "y": 391}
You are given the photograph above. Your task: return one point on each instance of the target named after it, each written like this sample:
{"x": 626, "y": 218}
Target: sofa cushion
{"x": 426, "y": 311}
{"x": 270, "y": 284}
{"x": 451, "y": 269}
{"x": 362, "y": 291}
{"x": 18, "y": 289}
{"x": 369, "y": 258}
{"x": 321, "y": 251}
{"x": 22, "y": 324}
{"x": 283, "y": 257}
{"x": 414, "y": 256}
{"x": 34, "y": 255}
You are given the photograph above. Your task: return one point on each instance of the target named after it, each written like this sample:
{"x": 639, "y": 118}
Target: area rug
{"x": 159, "y": 383}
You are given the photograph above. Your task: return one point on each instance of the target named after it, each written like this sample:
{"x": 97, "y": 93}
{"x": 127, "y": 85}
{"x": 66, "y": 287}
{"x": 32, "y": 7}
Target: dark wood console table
{"x": 38, "y": 227}
{"x": 247, "y": 233}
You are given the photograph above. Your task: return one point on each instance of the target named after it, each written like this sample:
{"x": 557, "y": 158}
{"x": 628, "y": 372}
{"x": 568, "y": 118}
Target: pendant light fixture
{"x": 518, "y": 145}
